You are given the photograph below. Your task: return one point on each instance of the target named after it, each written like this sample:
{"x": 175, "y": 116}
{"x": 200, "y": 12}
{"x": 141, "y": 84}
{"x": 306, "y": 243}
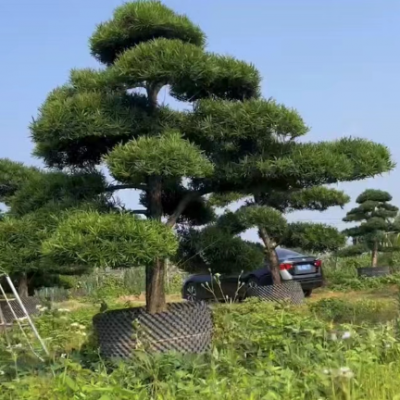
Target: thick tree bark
{"x": 155, "y": 285}
{"x": 374, "y": 259}
{"x": 23, "y": 285}
{"x": 271, "y": 255}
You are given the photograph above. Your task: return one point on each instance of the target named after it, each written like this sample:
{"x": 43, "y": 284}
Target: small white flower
{"x": 43, "y": 309}
{"x": 346, "y": 335}
{"x": 38, "y": 307}
{"x": 334, "y": 337}
{"x": 63, "y": 355}
{"x": 18, "y": 346}
{"x": 64, "y": 310}
{"x": 346, "y": 372}
{"x": 82, "y": 327}
{"x": 388, "y": 345}
{"x": 1, "y": 372}
{"x": 64, "y": 318}
{"x": 326, "y": 371}
{"x": 75, "y": 325}
{"x": 82, "y": 333}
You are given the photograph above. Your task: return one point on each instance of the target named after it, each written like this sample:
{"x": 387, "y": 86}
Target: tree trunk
{"x": 270, "y": 253}
{"x": 155, "y": 274}
{"x": 23, "y": 285}
{"x": 155, "y": 287}
{"x": 374, "y": 260}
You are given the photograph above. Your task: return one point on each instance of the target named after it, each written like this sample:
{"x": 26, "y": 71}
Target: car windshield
{"x": 286, "y": 253}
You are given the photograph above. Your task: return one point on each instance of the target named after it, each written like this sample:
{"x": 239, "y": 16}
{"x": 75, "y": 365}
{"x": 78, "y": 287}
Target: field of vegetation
{"x": 344, "y": 343}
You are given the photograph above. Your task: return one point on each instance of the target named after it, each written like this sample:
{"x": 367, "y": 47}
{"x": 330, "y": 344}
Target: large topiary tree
{"x": 377, "y": 218}
{"x": 230, "y": 139}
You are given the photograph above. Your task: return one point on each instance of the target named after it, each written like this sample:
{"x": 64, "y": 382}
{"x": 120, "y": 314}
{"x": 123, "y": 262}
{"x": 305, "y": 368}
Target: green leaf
{"x": 318, "y": 198}
{"x": 70, "y": 383}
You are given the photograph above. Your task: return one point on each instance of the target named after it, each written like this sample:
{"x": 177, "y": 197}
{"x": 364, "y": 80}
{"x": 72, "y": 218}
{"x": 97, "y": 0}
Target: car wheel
{"x": 253, "y": 282}
{"x": 191, "y": 292}
{"x": 307, "y": 292}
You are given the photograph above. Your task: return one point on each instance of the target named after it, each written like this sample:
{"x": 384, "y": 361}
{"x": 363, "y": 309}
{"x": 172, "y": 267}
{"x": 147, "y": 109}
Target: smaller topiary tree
{"x": 220, "y": 248}
{"x": 377, "y": 220}
{"x": 20, "y": 241}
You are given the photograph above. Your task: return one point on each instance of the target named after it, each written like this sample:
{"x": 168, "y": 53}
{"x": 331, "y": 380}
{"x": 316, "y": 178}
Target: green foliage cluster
{"x": 100, "y": 238}
{"x": 169, "y": 156}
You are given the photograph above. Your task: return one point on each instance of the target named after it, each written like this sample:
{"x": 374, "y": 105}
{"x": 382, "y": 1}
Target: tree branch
{"x": 114, "y": 188}
{"x": 139, "y": 212}
{"x": 183, "y": 204}
{"x": 152, "y": 95}
{"x": 181, "y": 207}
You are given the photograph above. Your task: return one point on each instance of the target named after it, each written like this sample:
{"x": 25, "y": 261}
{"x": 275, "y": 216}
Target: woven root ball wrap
{"x": 288, "y": 291}
{"x": 30, "y": 304}
{"x": 373, "y": 272}
{"x": 184, "y": 327}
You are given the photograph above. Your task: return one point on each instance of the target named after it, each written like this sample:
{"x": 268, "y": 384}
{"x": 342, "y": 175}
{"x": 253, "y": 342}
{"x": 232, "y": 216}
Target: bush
{"x": 355, "y": 312}
{"x": 341, "y": 274}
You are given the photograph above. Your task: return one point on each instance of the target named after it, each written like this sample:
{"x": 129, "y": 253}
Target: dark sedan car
{"x": 306, "y": 270}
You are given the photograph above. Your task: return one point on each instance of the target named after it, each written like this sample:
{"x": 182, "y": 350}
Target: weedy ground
{"x": 343, "y": 344}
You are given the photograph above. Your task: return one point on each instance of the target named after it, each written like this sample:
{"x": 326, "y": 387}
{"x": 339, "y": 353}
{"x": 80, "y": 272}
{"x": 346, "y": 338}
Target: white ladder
{"x": 4, "y": 325}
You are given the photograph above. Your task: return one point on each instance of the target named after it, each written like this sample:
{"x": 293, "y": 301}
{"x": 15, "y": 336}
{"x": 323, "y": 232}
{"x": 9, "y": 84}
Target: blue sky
{"x": 336, "y": 61}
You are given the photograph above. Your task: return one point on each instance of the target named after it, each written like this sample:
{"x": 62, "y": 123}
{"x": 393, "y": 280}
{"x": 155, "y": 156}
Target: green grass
{"x": 342, "y": 344}
{"x": 260, "y": 351}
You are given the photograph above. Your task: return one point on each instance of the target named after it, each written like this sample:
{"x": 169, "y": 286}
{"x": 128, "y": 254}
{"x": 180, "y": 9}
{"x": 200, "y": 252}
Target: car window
{"x": 286, "y": 253}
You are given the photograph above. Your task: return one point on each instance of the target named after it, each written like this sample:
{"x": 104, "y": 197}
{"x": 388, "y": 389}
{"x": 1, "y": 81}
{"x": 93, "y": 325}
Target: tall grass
{"x": 260, "y": 351}
{"x": 124, "y": 282}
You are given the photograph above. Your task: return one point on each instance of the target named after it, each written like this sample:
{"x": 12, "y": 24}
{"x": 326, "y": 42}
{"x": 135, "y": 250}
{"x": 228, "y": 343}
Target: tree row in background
{"x": 231, "y": 144}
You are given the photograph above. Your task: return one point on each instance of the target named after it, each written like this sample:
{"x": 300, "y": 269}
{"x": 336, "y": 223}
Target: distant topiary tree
{"x": 377, "y": 220}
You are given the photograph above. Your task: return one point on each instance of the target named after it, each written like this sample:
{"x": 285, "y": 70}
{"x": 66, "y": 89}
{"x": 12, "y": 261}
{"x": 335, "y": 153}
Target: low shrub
{"x": 367, "y": 311}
